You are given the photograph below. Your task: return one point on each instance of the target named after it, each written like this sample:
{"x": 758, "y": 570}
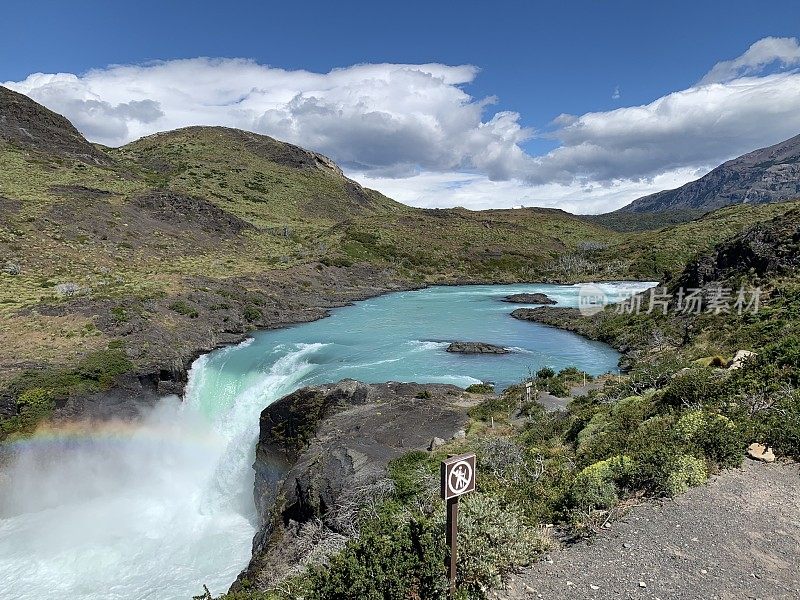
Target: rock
{"x": 12, "y": 269}
{"x": 740, "y": 358}
{"x": 476, "y": 348}
{"x": 761, "y": 452}
{"x": 642, "y": 584}
{"x": 323, "y": 452}
{"x": 529, "y": 299}
{"x": 436, "y": 443}
{"x": 594, "y": 587}
{"x": 460, "y": 434}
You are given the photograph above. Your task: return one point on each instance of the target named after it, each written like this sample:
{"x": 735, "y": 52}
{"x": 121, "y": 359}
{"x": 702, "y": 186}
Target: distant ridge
{"x": 766, "y": 175}
{"x": 25, "y": 123}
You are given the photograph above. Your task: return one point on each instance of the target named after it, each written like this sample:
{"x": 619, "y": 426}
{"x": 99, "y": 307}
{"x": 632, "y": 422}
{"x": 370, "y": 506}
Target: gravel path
{"x": 736, "y": 537}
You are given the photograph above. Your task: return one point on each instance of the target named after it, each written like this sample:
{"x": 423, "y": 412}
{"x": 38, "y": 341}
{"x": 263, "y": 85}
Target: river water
{"x": 154, "y": 510}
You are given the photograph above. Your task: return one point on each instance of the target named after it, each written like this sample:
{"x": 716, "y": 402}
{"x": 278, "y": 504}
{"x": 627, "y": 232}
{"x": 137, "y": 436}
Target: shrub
{"x": 716, "y": 436}
{"x": 252, "y": 313}
{"x": 492, "y": 407}
{"x": 493, "y": 539}
{"x": 395, "y": 556}
{"x": 721, "y": 441}
{"x": 103, "y": 365}
{"x": 183, "y": 308}
{"x": 686, "y": 471}
{"x": 545, "y": 373}
{"x": 480, "y": 388}
{"x": 34, "y": 406}
{"x": 689, "y": 425}
{"x": 595, "y": 487}
{"x": 556, "y": 387}
{"x": 692, "y": 389}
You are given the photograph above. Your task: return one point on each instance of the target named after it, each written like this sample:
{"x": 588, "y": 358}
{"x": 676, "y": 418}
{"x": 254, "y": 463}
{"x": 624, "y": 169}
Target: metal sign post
{"x": 458, "y": 478}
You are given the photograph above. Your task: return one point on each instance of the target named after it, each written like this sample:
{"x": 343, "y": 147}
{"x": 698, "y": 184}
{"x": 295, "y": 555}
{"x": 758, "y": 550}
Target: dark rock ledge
{"x": 476, "y": 348}
{"x": 536, "y": 298}
{"x": 323, "y": 448}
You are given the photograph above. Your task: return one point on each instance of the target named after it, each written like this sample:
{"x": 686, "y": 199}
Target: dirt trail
{"x": 736, "y": 537}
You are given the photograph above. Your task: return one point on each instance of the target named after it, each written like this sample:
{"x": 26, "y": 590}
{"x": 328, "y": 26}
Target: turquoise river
{"x": 155, "y": 509}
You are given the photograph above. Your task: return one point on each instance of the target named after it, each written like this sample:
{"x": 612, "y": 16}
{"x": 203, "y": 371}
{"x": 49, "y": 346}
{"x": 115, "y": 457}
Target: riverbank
{"x": 145, "y": 347}
{"x": 158, "y": 339}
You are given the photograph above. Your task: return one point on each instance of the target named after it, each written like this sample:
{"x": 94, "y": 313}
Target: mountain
{"x": 767, "y": 175}
{"x": 26, "y": 124}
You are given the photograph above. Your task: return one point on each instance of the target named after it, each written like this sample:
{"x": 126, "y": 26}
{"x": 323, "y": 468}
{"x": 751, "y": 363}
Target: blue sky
{"x": 537, "y": 60}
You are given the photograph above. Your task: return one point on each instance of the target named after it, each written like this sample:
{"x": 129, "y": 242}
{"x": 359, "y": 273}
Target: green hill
{"x": 187, "y": 239}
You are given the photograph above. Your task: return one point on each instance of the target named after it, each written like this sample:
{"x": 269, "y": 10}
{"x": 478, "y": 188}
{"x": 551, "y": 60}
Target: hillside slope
{"x": 180, "y": 241}
{"x": 766, "y": 175}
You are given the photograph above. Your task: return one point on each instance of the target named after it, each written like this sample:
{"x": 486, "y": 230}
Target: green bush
{"x": 34, "y": 406}
{"x": 545, "y": 373}
{"x": 480, "y": 388}
{"x": 395, "y": 556}
{"x": 184, "y": 308}
{"x": 556, "y": 387}
{"x": 685, "y": 472}
{"x": 493, "y": 539}
{"x": 252, "y": 313}
{"x": 103, "y": 365}
{"x": 692, "y": 389}
{"x": 493, "y": 407}
{"x": 597, "y": 486}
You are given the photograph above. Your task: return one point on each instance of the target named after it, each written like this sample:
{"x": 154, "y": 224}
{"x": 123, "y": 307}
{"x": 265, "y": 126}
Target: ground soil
{"x": 736, "y": 537}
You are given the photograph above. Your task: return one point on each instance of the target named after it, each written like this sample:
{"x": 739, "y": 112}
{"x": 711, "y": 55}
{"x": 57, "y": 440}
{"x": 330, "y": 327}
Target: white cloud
{"x": 384, "y": 117}
{"x": 416, "y": 122}
{"x": 702, "y": 125}
{"x": 615, "y": 95}
{"x": 476, "y": 192}
{"x": 766, "y": 51}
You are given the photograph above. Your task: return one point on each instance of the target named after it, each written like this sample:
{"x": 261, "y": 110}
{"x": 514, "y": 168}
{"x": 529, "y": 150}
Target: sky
{"x": 580, "y": 105}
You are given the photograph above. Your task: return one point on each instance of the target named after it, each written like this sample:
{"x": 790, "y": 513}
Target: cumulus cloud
{"x": 701, "y": 125}
{"x": 391, "y": 118}
{"x": 765, "y": 52}
{"x": 384, "y": 122}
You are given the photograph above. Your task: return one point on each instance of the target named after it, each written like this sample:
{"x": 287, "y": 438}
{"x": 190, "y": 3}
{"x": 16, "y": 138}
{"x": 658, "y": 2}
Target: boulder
{"x": 436, "y": 443}
{"x": 761, "y": 453}
{"x": 740, "y": 358}
{"x": 536, "y": 298}
{"x": 476, "y": 348}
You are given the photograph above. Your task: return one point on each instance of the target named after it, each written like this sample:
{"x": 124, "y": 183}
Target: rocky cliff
{"x": 325, "y": 448}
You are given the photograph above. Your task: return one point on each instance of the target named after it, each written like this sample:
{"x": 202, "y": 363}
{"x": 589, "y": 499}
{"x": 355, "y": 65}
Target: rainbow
{"x": 114, "y": 433}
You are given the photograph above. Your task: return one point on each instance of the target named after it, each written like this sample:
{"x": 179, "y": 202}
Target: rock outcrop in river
{"x": 323, "y": 448}
{"x": 476, "y": 348}
{"x": 536, "y": 298}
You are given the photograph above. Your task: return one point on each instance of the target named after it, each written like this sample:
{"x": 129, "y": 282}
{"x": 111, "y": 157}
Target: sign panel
{"x": 458, "y": 476}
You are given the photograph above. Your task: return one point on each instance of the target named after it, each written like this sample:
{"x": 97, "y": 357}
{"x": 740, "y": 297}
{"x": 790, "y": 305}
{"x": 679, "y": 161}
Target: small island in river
{"x": 476, "y": 348}
{"x": 536, "y": 298}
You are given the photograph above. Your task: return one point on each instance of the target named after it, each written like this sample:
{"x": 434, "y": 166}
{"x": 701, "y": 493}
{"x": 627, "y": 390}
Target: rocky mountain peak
{"x": 26, "y": 123}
